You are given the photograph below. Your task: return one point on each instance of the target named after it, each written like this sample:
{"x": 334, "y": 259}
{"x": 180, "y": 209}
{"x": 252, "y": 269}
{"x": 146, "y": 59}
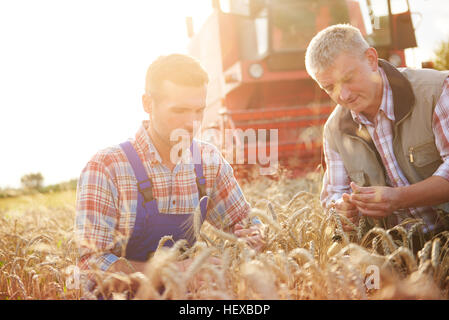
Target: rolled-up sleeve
{"x": 96, "y": 217}
{"x": 440, "y": 126}
{"x": 335, "y": 180}
{"x": 229, "y": 205}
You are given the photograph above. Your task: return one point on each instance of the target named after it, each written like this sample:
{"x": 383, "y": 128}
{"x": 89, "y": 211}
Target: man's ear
{"x": 372, "y": 57}
{"x": 147, "y": 102}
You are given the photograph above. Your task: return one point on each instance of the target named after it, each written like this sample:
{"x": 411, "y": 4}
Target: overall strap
{"x": 198, "y": 163}
{"x": 144, "y": 185}
{"x": 200, "y": 179}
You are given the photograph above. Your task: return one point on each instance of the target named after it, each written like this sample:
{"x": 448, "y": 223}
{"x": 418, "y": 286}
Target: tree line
{"x": 441, "y": 60}
{"x": 32, "y": 183}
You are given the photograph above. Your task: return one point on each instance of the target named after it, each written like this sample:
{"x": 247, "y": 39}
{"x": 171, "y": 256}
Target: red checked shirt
{"x": 336, "y": 180}
{"x": 107, "y": 196}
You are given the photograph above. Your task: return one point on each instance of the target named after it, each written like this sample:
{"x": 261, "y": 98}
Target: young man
{"x": 388, "y": 137}
{"x": 131, "y": 195}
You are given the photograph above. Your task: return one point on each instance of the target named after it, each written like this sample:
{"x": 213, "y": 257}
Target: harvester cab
{"x": 254, "y": 52}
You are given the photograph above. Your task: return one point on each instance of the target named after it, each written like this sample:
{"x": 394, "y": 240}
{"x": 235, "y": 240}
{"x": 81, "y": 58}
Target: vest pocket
{"x": 425, "y": 159}
{"x": 424, "y": 154}
{"x": 359, "y": 177}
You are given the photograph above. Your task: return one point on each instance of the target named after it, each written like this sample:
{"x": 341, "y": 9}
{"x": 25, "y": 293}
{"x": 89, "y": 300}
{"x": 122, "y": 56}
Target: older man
{"x": 388, "y": 137}
{"x": 133, "y": 194}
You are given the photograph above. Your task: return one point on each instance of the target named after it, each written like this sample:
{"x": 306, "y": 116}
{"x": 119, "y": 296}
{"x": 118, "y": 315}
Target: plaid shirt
{"x": 107, "y": 196}
{"x": 336, "y": 180}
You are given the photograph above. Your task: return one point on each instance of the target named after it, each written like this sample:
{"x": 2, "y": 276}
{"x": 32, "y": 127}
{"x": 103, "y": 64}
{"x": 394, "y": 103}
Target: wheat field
{"x": 307, "y": 256}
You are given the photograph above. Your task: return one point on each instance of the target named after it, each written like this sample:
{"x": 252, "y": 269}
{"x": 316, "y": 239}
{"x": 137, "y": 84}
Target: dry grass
{"x": 36, "y": 247}
{"x": 308, "y": 256}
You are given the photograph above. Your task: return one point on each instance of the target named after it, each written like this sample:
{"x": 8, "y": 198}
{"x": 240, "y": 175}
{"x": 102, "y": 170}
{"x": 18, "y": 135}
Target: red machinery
{"x": 254, "y": 52}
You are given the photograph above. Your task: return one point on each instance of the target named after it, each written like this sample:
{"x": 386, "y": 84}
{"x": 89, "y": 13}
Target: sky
{"x": 431, "y": 21}
{"x": 72, "y": 74}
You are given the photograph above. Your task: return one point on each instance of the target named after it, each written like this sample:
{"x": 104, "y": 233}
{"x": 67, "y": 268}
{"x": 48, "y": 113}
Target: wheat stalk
{"x": 436, "y": 245}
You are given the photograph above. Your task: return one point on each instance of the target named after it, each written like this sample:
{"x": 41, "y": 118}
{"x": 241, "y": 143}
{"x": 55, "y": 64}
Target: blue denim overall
{"x": 150, "y": 225}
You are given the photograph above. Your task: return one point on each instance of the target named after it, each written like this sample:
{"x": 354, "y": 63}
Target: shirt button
{"x": 174, "y": 201}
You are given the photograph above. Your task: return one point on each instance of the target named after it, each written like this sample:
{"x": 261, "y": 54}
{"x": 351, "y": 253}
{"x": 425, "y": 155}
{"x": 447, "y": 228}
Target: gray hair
{"x": 327, "y": 45}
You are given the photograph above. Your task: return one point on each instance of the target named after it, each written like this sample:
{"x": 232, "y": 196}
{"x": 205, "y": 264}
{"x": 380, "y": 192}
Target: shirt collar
{"x": 386, "y": 106}
{"x": 144, "y": 142}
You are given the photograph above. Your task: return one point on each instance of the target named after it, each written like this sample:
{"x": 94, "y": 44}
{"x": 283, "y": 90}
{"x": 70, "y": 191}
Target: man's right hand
{"x": 345, "y": 207}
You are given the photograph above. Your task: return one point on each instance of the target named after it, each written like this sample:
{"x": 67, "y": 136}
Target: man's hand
{"x": 253, "y": 235}
{"x": 345, "y": 207}
{"x": 376, "y": 202}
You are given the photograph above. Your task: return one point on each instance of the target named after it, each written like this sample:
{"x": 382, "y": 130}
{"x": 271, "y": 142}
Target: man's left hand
{"x": 376, "y": 202}
{"x": 254, "y": 235}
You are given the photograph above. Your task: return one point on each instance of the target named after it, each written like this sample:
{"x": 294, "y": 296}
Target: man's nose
{"x": 344, "y": 93}
{"x": 189, "y": 126}
{"x": 193, "y": 118}
{"x": 190, "y": 122}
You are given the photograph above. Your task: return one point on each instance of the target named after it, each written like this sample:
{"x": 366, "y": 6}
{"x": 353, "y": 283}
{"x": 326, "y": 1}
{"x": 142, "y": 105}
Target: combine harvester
{"x": 254, "y": 52}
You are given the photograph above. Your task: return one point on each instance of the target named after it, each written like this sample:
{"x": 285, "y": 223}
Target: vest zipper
{"x": 410, "y": 150}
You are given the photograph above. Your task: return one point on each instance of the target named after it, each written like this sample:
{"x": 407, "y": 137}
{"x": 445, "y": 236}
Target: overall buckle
{"x": 146, "y": 191}
{"x": 201, "y": 184}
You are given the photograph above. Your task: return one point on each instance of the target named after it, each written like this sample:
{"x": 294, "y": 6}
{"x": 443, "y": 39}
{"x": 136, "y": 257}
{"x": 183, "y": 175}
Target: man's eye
{"x": 347, "y": 78}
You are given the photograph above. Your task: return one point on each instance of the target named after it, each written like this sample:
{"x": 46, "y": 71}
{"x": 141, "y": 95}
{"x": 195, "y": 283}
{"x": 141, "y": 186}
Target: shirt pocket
{"x": 359, "y": 177}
